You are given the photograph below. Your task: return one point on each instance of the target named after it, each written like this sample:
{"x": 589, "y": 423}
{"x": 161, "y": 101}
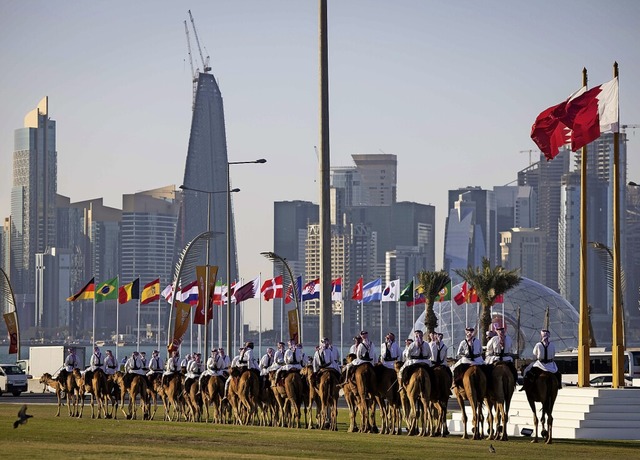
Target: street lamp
{"x": 229, "y": 163}
{"x": 206, "y": 289}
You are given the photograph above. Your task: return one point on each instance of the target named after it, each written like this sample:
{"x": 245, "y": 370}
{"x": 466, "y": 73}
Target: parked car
{"x": 605, "y": 381}
{"x": 12, "y": 379}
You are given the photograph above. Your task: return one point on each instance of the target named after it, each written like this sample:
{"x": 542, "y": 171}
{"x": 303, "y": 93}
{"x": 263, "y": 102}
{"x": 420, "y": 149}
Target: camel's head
{"x": 45, "y": 377}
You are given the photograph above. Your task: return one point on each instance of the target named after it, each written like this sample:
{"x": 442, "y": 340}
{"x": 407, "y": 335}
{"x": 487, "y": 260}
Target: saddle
{"x": 534, "y": 373}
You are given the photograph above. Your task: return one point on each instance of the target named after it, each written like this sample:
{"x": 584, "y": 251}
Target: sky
{"x": 451, "y": 88}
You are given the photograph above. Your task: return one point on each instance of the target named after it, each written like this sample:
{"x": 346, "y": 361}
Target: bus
{"x": 599, "y": 367}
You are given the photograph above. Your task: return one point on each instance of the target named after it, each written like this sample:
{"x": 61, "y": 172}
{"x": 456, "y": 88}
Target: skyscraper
{"x": 471, "y": 230}
{"x": 206, "y": 169}
{"x": 33, "y": 203}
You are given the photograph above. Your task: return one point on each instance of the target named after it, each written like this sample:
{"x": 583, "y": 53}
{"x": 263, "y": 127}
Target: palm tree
{"x": 431, "y": 283}
{"x": 489, "y": 283}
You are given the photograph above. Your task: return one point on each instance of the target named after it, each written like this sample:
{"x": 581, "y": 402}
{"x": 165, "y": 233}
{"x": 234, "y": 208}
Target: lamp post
{"x": 206, "y": 289}
{"x": 229, "y": 163}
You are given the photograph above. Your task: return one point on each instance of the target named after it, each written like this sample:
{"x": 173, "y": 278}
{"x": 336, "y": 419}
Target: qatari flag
{"x": 251, "y": 290}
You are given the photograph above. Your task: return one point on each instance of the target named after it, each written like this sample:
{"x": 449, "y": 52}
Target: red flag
{"x": 420, "y": 299}
{"x": 272, "y": 288}
{"x": 548, "y": 132}
{"x": 357, "y": 290}
{"x": 472, "y": 295}
{"x": 461, "y": 297}
{"x": 499, "y": 299}
{"x": 592, "y": 113}
{"x": 289, "y": 297}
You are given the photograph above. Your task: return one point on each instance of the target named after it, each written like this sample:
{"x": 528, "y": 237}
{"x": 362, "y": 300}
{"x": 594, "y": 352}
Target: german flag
{"x": 107, "y": 290}
{"x": 86, "y": 293}
{"x": 129, "y": 291}
{"x": 150, "y": 292}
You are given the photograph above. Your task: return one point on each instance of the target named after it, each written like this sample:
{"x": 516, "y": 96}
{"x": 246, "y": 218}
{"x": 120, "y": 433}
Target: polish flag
{"x": 272, "y": 288}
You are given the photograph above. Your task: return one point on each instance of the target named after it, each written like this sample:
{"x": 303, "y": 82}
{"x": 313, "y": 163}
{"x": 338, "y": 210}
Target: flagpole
{"x": 381, "y": 320}
{"x": 117, "y": 327}
{"x": 138, "y": 339}
{"x": 399, "y": 317}
{"x": 93, "y": 338}
{"x": 451, "y": 340}
{"x": 260, "y": 317}
{"x": 413, "y": 294}
{"x": 158, "y": 333}
{"x": 466, "y": 313}
{"x": 361, "y": 316}
{"x": 281, "y": 317}
{"x": 342, "y": 327}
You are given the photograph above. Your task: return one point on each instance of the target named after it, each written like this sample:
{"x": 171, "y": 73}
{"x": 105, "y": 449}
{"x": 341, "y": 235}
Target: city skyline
{"x": 452, "y": 90}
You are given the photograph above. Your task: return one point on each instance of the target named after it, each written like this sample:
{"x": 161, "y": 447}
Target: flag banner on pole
{"x": 290, "y": 291}
{"x": 581, "y": 119}
{"x": 294, "y": 331}
{"x": 189, "y": 294}
{"x": 272, "y": 288}
{"x": 444, "y": 294}
{"x": 129, "y": 292}
{"x": 498, "y": 299}
{"x": 372, "y": 291}
{"x": 150, "y": 292}
{"x": 336, "y": 290}
{"x": 391, "y": 292}
{"x": 219, "y": 294}
{"x": 357, "y": 290}
{"x": 418, "y": 299}
{"x": 311, "y": 290}
{"x": 251, "y": 290}
{"x": 86, "y": 293}
{"x": 183, "y": 312}
{"x": 201, "y": 274}
{"x": 167, "y": 293}
{"x": 107, "y": 290}
{"x": 461, "y": 297}
{"x": 11, "y": 319}
{"x": 232, "y": 294}
{"x": 407, "y": 293}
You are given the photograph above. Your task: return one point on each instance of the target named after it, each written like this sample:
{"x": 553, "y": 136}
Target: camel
{"x": 418, "y": 392}
{"x": 47, "y": 380}
{"x": 70, "y": 388}
{"x": 474, "y": 388}
{"x": 329, "y": 393}
{"x": 113, "y": 397}
{"x": 94, "y": 383}
{"x": 193, "y": 401}
{"x": 244, "y": 390}
{"x": 544, "y": 389}
{"x": 171, "y": 395}
{"x": 133, "y": 385}
{"x": 366, "y": 390}
{"x": 310, "y": 396}
{"x": 388, "y": 399}
{"x": 212, "y": 388}
{"x": 289, "y": 398}
{"x": 498, "y": 396}
{"x": 440, "y": 392}
{"x": 154, "y": 390}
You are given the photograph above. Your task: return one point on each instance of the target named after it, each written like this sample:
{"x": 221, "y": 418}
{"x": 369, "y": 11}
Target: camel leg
{"x": 549, "y": 428}
{"x": 532, "y": 404}
{"x": 464, "y": 416}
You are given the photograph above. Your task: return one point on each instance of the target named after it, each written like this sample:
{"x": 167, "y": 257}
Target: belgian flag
{"x": 107, "y": 290}
{"x": 129, "y": 291}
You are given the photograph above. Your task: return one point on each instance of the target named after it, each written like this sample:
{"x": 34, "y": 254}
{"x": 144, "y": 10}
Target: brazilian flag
{"x": 107, "y": 290}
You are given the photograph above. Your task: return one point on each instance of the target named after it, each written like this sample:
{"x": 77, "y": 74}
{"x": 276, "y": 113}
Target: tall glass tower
{"x": 206, "y": 169}
{"x": 33, "y": 202}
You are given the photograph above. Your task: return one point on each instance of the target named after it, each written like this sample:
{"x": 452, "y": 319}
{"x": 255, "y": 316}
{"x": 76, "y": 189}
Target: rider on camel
{"x": 469, "y": 353}
{"x": 389, "y": 351}
{"x": 544, "y": 351}
{"x": 419, "y": 352}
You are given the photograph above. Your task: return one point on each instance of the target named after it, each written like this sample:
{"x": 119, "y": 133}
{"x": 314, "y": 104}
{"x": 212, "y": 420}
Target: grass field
{"x": 48, "y": 437}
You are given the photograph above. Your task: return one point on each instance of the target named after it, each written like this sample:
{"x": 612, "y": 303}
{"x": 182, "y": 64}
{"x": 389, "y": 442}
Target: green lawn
{"x": 48, "y": 437}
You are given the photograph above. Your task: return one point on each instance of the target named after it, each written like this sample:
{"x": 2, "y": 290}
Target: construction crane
{"x": 530, "y": 151}
{"x": 623, "y": 128}
{"x": 205, "y": 62}
{"x": 194, "y": 73}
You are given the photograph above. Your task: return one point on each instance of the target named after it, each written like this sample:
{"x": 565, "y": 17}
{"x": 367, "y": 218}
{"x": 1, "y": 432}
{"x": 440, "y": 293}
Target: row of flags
{"x": 110, "y": 290}
{"x": 272, "y": 288}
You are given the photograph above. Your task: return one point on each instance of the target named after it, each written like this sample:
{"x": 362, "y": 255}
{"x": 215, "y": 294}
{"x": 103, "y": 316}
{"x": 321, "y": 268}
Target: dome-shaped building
{"x": 531, "y": 298}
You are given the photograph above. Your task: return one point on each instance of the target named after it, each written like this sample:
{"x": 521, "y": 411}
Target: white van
{"x": 12, "y": 379}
